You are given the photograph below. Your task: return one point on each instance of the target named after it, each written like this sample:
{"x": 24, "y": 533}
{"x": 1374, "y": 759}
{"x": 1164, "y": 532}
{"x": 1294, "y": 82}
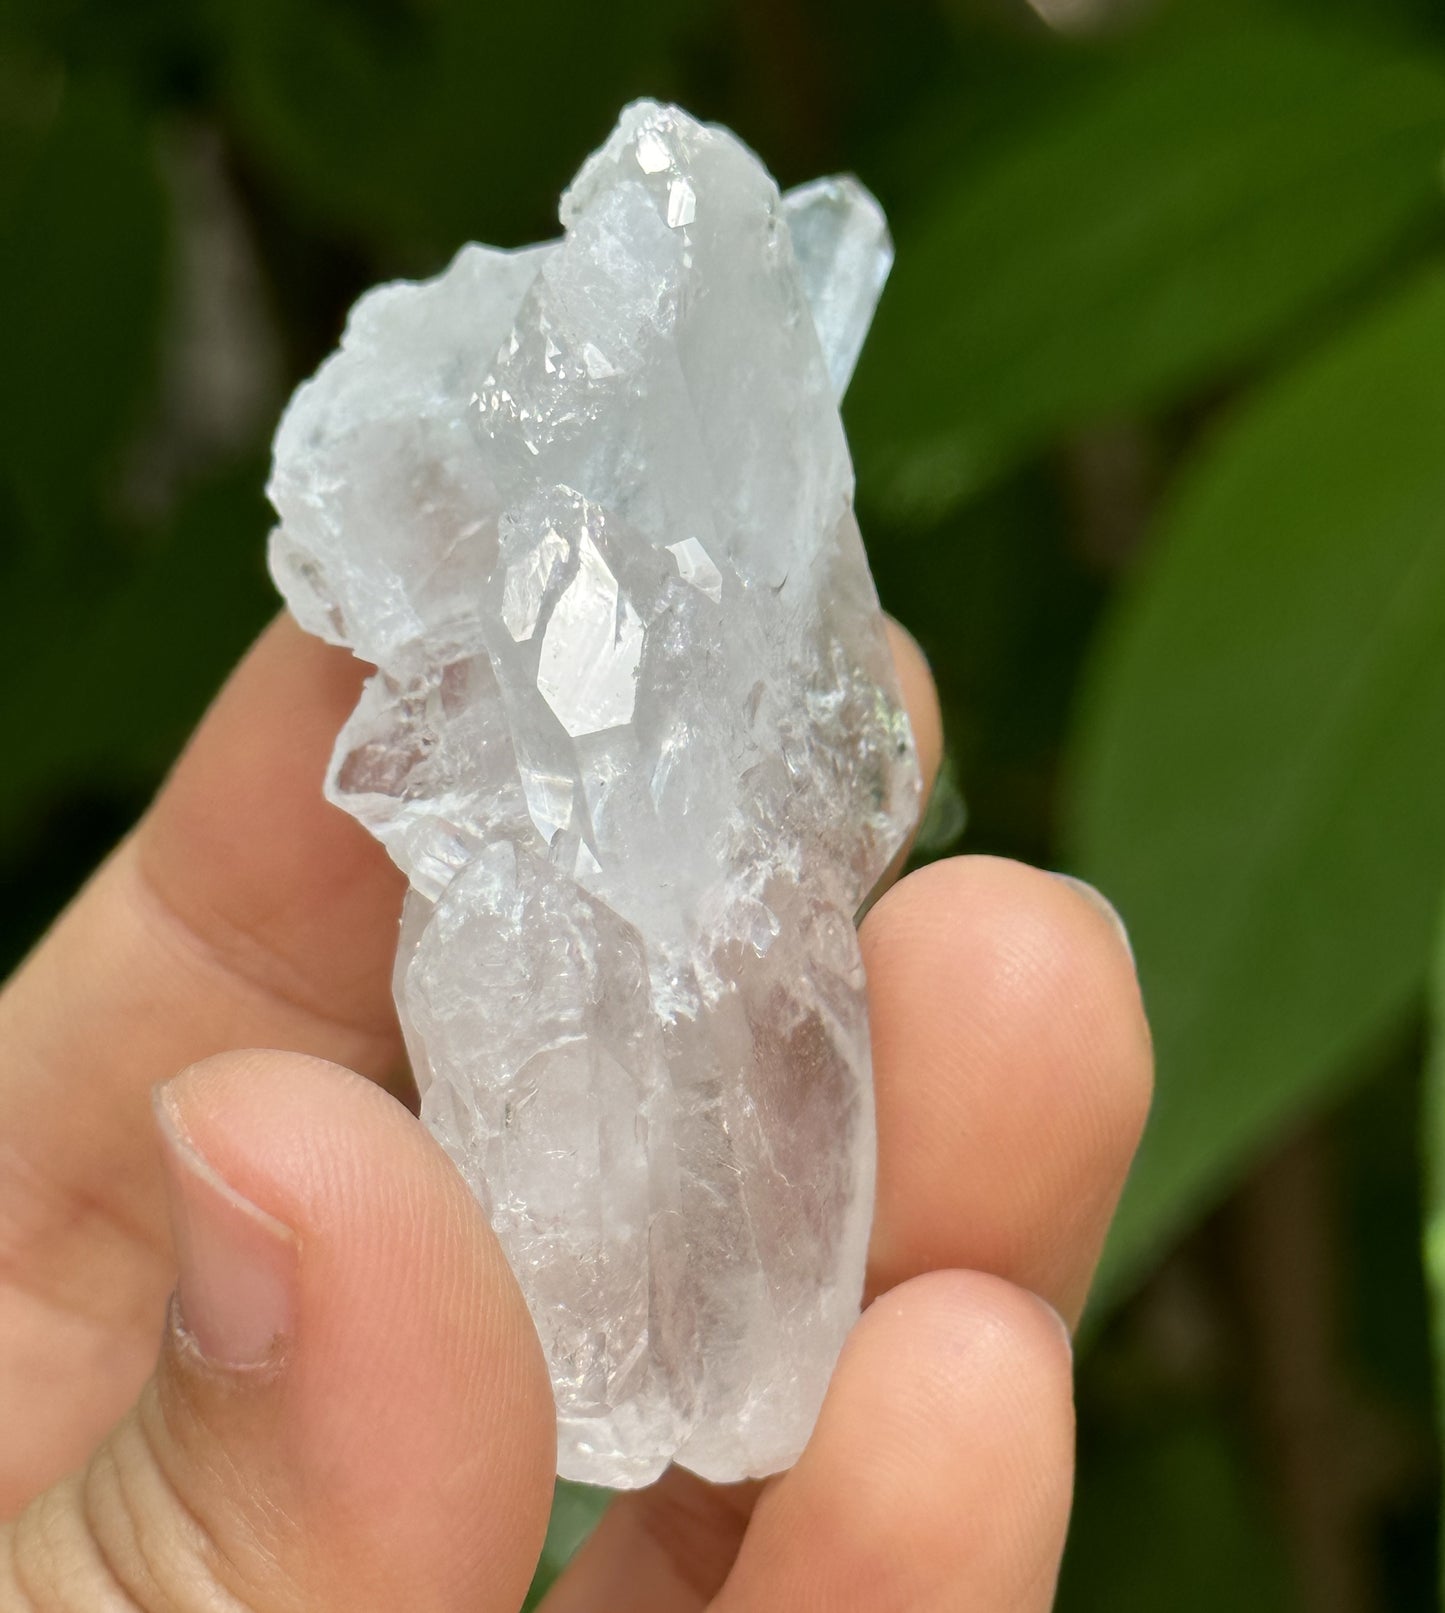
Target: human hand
{"x": 350, "y": 1409}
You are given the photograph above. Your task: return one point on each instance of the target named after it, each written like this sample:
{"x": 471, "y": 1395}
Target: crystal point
{"x": 634, "y": 738}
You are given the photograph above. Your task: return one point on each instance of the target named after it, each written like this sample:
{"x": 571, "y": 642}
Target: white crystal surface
{"x": 635, "y": 739}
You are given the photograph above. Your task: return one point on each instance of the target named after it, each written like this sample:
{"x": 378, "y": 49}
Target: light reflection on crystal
{"x": 681, "y": 204}
{"x": 591, "y": 650}
{"x": 694, "y": 565}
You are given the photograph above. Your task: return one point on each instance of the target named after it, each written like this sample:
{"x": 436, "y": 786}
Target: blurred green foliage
{"x": 1151, "y": 448}
{"x": 1259, "y": 750}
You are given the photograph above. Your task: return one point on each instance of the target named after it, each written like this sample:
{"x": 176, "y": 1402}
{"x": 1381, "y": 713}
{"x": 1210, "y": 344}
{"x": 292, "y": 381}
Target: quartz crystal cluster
{"x": 635, "y": 739}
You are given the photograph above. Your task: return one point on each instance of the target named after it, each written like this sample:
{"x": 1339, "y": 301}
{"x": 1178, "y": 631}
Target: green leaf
{"x": 576, "y": 1511}
{"x": 1260, "y": 774}
{"x": 82, "y": 250}
{"x": 101, "y": 688}
{"x": 420, "y": 127}
{"x": 1199, "y": 204}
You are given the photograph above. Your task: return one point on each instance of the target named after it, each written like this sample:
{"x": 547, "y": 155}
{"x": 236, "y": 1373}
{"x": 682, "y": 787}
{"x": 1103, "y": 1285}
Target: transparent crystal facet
{"x": 634, "y": 738}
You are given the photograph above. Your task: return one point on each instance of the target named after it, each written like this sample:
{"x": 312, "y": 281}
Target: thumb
{"x": 350, "y": 1411}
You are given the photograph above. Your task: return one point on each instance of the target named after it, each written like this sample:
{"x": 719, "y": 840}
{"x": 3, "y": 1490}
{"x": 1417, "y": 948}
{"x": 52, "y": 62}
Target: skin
{"x": 386, "y": 1439}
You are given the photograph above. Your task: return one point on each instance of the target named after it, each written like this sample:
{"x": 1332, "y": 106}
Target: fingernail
{"x": 1102, "y": 904}
{"x": 236, "y": 1295}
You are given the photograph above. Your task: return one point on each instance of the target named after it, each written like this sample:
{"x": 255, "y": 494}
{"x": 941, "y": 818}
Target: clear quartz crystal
{"x": 634, "y": 737}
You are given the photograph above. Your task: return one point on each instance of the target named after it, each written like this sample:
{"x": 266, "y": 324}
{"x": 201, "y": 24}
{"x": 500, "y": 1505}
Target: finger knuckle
{"x": 120, "y": 1536}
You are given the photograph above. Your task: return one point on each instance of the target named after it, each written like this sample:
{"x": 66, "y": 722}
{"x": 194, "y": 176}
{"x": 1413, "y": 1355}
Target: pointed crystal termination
{"x": 635, "y": 739}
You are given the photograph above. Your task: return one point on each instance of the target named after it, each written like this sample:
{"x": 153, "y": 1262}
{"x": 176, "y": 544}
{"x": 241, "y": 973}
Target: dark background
{"x": 1151, "y": 448}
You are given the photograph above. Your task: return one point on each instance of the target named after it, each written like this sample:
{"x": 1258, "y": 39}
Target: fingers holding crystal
{"x": 1013, "y": 1068}
{"x": 244, "y": 910}
{"x": 940, "y": 1470}
{"x": 285, "y": 891}
{"x": 350, "y": 1408}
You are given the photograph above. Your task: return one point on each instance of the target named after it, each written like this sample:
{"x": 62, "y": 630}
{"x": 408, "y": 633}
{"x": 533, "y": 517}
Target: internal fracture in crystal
{"x": 634, "y": 738}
